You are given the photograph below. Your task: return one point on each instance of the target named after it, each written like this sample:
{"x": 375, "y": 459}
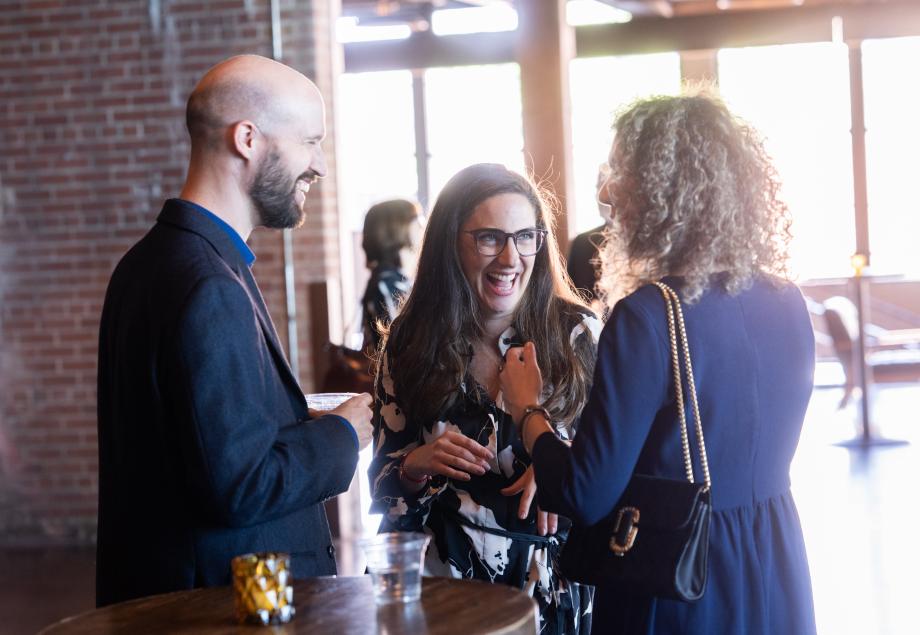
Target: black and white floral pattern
{"x": 476, "y": 532}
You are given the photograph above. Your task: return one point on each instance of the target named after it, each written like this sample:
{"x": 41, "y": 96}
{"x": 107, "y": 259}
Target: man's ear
{"x": 244, "y": 139}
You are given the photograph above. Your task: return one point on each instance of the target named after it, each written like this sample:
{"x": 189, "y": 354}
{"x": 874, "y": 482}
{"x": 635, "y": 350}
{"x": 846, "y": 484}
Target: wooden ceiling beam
{"x": 643, "y": 8}
{"x": 726, "y": 29}
{"x": 730, "y": 29}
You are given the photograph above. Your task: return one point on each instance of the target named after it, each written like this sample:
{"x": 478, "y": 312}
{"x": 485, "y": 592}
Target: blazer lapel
{"x": 268, "y": 327}
{"x": 178, "y": 213}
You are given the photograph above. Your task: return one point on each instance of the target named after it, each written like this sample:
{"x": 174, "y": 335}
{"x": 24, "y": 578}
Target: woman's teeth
{"x": 503, "y": 280}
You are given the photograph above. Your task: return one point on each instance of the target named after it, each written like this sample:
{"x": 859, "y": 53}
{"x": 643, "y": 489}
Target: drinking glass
{"x": 394, "y": 561}
{"x": 325, "y": 401}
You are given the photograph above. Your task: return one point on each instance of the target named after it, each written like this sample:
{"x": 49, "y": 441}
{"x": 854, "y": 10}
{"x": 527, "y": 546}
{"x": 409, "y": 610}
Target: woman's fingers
{"x": 547, "y": 523}
{"x": 450, "y": 472}
{"x": 455, "y": 462}
{"x": 452, "y": 449}
{"x": 453, "y": 455}
{"x": 527, "y": 497}
{"x": 530, "y": 355}
{"x": 469, "y": 444}
{"x": 528, "y": 486}
{"x": 517, "y": 486}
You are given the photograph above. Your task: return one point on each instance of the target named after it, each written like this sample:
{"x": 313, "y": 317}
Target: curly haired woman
{"x": 694, "y": 204}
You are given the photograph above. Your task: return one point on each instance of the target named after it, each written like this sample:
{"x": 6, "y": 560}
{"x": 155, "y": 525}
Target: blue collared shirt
{"x": 245, "y": 251}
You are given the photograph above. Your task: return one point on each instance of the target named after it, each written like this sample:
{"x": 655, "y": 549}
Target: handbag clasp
{"x": 624, "y": 531}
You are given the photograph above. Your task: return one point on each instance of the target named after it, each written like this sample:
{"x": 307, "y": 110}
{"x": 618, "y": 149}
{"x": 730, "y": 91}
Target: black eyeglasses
{"x": 492, "y": 242}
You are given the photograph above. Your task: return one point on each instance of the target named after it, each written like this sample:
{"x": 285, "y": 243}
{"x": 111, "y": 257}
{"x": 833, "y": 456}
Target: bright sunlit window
{"x": 376, "y": 141}
{"x": 347, "y": 29}
{"x": 474, "y": 116}
{"x": 798, "y": 97}
{"x": 499, "y": 16}
{"x": 585, "y": 12}
{"x": 892, "y": 139}
{"x": 599, "y": 87}
{"x": 375, "y": 158}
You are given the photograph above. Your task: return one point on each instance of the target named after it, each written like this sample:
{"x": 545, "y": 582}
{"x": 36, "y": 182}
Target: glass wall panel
{"x": 376, "y": 141}
{"x": 376, "y": 161}
{"x": 599, "y": 87}
{"x": 892, "y": 94}
{"x": 474, "y": 116}
{"x": 798, "y": 97}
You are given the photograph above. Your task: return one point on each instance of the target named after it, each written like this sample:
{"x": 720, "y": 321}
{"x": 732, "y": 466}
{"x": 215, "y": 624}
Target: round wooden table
{"x": 339, "y": 606}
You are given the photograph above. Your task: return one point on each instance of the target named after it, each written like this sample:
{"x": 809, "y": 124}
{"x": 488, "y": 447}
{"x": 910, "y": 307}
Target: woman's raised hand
{"x": 452, "y": 455}
{"x": 521, "y": 380}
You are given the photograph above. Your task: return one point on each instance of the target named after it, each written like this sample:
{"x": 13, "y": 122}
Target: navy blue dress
{"x": 753, "y": 360}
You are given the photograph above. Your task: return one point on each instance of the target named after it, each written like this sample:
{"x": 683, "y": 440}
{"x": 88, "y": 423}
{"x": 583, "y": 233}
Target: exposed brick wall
{"x": 92, "y": 97}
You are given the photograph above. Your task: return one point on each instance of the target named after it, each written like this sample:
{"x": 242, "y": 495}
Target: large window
{"x": 797, "y": 96}
{"x": 474, "y": 116}
{"x": 376, "y": 161}
{"x": 892, "y": 95}
{"x": 376, "y": 141}
{"x": 599, "y": 87}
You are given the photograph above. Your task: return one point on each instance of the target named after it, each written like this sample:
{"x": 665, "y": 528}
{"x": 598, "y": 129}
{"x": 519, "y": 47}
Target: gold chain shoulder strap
{"x": 675, "y": 327}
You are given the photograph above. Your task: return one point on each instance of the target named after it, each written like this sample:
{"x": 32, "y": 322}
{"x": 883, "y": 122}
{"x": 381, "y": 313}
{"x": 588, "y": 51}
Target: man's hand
{"x": 357, "y": 411}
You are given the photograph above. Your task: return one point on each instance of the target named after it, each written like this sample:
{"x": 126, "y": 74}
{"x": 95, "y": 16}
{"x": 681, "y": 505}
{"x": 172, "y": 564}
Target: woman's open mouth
{"x": 501, "y": 283}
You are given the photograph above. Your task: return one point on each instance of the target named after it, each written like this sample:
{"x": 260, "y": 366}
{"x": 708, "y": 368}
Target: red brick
{"x": 90, "y": 125}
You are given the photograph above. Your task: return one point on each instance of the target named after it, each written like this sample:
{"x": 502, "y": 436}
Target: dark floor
{"x": 859, "y": 512}
{"x": 40, "y": 586}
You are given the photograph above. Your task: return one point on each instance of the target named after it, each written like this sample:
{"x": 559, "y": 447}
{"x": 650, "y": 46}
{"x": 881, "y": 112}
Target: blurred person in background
{"x": 392, "y": 233}
{"x": 583, "y": 264}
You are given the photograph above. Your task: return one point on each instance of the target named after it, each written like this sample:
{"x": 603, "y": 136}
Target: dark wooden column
{"x": 546, "y": 44}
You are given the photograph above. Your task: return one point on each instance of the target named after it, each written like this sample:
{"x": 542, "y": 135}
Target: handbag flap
{"x": 663, "y": 503}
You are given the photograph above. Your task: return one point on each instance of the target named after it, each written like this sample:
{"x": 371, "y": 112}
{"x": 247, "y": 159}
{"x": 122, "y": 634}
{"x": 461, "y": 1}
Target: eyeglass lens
{"x": 492, "y": 242}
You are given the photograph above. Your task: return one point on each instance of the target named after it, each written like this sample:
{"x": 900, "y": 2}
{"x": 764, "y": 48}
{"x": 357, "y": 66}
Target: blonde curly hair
{"x": 693, "y": 194}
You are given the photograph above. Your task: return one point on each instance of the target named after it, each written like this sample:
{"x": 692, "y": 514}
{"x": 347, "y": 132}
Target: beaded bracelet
{"x": 405, "y": 475}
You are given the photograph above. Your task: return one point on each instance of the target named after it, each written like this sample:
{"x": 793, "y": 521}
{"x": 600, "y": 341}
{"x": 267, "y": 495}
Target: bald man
{"x": 206, "y": 447}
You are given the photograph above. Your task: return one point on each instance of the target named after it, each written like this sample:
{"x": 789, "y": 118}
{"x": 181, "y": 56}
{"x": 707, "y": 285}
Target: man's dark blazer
{"x": 205, "y": 448}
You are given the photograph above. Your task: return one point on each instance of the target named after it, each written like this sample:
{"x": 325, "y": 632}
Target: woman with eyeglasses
{"x": 447, "y": 460}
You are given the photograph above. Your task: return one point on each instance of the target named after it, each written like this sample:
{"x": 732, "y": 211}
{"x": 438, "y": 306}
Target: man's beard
{"x": 274, "y": 193}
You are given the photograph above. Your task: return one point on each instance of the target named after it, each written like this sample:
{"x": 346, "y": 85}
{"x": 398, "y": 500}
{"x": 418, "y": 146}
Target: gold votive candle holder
{"x": 262, "y": 590}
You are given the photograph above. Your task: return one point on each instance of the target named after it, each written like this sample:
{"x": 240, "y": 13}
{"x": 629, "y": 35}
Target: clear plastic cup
{"x": 394, "y": 561}
{"x": 325, "y": 401}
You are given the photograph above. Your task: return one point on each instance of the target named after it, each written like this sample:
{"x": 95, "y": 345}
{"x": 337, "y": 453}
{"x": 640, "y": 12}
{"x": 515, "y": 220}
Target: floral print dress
{"x": 476, "y": 532}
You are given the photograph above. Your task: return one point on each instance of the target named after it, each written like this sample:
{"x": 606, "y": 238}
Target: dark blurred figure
{"x": 392, "y": 233}
{"x": 583, "y": 265}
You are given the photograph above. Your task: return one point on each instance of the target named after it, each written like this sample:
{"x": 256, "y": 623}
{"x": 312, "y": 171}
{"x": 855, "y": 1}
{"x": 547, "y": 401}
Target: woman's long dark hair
{"x": 428, "y": 345}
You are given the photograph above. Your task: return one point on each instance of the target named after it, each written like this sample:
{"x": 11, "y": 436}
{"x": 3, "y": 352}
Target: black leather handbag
{"x": 656, "y": 540}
